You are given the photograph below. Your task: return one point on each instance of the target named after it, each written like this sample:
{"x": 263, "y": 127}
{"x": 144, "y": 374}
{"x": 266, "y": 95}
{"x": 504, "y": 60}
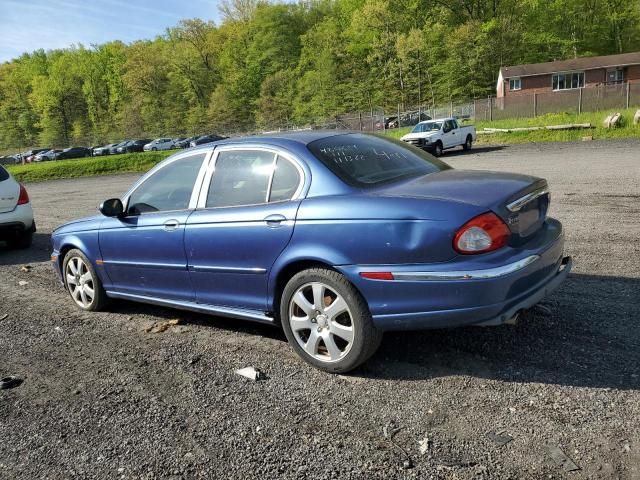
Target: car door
{"x": 449, "y": 134}
{"x": 244, "y": 221}
{"x": 143, "y": 252}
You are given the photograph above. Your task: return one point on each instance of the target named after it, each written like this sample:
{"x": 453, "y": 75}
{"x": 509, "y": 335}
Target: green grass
{"x": 87, "y": 167}
{"x": 626, "y": 130}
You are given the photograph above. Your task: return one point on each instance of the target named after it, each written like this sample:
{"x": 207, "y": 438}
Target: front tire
{"x": 82, "y": 283}
{"x": 327, "y": 322}
{"x": 468, "y": 144}
{"x": 437, "y": 149}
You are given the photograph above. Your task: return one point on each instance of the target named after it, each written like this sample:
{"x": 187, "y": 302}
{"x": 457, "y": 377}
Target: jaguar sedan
{"x": 336, "y": 237}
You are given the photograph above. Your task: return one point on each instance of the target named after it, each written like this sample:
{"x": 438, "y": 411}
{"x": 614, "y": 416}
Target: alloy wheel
{"x": 80, "y": 282}
{"x": 321, "y": 322}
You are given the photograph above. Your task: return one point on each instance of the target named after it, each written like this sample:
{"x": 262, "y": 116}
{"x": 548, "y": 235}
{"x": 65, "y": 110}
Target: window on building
{"x": 514, "y": 84}
{"x": 567, "y": 81}
{"x": 615, "y": 75}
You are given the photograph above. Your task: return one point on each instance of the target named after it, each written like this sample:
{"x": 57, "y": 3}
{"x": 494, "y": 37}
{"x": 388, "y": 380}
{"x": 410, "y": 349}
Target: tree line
{"x": 269, "y": 65}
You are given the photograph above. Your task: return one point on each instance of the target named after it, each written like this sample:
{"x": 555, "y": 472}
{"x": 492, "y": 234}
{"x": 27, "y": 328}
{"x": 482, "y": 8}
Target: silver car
{"x": 16, "y": 215}
{"x": 159, "y": 144}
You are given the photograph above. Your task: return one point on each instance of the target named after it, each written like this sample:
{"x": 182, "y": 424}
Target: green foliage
{"x": 270, "y": 65}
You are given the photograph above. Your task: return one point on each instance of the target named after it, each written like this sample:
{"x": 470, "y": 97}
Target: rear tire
{"x": 437, "y": 150}
{"x": 468, "y": 144}
{"x": 327, "y": 322}
{"x": 82, "y": 282}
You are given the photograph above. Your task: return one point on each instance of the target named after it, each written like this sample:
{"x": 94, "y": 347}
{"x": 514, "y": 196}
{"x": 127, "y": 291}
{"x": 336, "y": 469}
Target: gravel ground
{"x": 104, "y": 397}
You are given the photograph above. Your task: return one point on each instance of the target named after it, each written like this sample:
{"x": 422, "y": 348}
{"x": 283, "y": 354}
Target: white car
{"x": 159, "y": 144}
{"x": 47, "y": 155}
{"x": 16, "y": 215}
{"x": 441, "y": 134}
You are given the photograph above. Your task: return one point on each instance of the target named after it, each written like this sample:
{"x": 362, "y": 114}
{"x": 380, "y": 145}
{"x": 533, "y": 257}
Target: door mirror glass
{"x": 112, "y": 208}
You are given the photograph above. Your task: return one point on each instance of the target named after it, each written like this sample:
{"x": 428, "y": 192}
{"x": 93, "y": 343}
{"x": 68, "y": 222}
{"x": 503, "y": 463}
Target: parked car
{"x": 123, "y": 147}
{"x": 178, "y": 139}
{"x": 136, "y": 145}
{"x": 205, "y": 139}
{"x": 73, "y": 152}
{"x": 159, "y": 144}
{"x": 47, "y": 155}
{"x": 441, "y": 134}
{"x": 91, "y": 149}
{"x": 186, "y": 143}
{"x": 104, "y": 150}
{"x": 337, "y": 237}
{"x": 16, "y": 215}
{"x": 409, "y": 119}
{"x": 114, "y": 148}
{"x": 30, "y": 155}
{"x": 10, "y": 160}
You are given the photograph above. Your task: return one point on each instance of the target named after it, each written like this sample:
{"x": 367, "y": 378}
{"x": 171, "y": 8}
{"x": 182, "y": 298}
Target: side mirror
{"x": 112, "y": 208}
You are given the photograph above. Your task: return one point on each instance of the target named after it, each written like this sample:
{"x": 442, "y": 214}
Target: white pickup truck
{"x": 441, "y": 134}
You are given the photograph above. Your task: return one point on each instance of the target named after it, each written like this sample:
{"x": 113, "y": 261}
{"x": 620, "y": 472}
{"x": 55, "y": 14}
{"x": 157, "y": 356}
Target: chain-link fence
{"x": 524, "y": 105}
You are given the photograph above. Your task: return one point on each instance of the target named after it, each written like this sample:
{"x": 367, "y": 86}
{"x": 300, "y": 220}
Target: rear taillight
{"x": 484, "y": 233}
{"x": 24, "y": 196}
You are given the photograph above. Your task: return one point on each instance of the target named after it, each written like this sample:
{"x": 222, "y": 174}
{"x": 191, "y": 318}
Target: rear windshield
{"x": 3, "y": 174}
{"x": 366, "y": 160}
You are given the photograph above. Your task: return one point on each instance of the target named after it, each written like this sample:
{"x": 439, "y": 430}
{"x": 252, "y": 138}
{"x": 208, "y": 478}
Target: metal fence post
{"x": 360, "y": 120}
{"x": 398, "y": 119}
{"x": 490, "y": 108}
{"x": 451, "y": 109}
{"x": 535, "y": 104}
{"x": 580, "y": 100}
{"x": 628, "y": 95}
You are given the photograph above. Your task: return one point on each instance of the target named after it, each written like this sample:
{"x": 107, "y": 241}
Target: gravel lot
{"x": 105, "y": 398}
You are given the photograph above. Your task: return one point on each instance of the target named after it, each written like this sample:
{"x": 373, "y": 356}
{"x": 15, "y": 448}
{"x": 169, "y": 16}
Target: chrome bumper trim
{"x": 517, "y": 205}
{"x": 466, "y": 275}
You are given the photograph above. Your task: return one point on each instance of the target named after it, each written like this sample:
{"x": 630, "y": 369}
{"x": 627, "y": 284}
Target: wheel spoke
{"x": 76, "y": 293}
{"x": 337, "y": 307}
{"x": 311, "y": 347}
{"x": 318, "y": 296}
{"x": 72, "y": 266}
{"x": 300, "y": 323}
{"x": 86, "y": 277}
{"x": 71, "y": 279}
{"x": 83, "y": 296}
{"x": 300, "y": 300}
{"x": 88, "y": 291}
{"x": 332, "y": 348}
{"x": 346, "y": 333}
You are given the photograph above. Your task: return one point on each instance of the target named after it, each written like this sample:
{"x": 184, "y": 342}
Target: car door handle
{"x": 275, "y": 220}
{"x": 170, "y": 225}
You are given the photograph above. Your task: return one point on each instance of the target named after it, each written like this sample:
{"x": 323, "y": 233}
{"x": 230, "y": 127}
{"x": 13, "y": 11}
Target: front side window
{"x": 167, "y": 189}
{"x": 366, "y": 160}
{"x": 567, "y": 81}
{"x": 240, "y": 177}
{"x": 514, "y": 84}
{"x": 3, "y": 174}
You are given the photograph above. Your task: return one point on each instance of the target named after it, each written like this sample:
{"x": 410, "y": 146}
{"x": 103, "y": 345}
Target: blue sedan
{"x": 337, "y": 237}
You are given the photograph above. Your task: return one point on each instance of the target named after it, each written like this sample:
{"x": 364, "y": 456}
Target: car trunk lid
{"x": 521, "y": 201}
{"x": 9, "y": 192}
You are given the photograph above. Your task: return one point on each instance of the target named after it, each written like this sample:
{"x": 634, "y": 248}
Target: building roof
{"x": 584, "y": 63}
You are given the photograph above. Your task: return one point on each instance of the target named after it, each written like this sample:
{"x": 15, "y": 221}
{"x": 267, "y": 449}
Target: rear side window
{"x": 167, "y": 189}
{"x": 241, "y": 177}
{"x": 4, "y": 175}
{"x": 286, "y": 180}
{"x": 366, "y": 160}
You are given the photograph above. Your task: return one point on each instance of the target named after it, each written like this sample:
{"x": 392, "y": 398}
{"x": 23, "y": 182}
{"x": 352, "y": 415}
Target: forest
{"x": 271, "y": 65}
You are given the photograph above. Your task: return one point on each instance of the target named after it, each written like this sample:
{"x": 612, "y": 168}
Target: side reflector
{"x": 377, "y": 275}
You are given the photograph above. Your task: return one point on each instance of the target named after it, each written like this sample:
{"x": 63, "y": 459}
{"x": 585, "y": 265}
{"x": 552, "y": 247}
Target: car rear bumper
{"x": 17, "y": 222}
{"x": 486, "y": 289}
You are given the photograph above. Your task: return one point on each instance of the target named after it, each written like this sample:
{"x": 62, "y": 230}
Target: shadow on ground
{"x": 40, "y": 251}
{"x": 478, "y": 150}
{"x": 587, "y": 334}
